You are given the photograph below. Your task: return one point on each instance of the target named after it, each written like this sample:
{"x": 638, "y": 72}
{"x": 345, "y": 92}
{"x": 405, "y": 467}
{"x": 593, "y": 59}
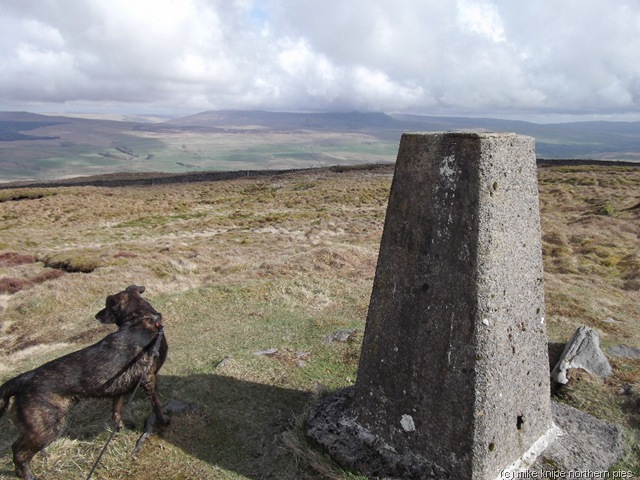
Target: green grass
{"x": 274, "y": 263}
{"x": 83, "y": 153}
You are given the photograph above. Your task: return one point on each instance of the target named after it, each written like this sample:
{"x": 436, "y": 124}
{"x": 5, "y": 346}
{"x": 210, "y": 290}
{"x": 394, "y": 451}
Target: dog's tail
{"x": 8, "y": 390}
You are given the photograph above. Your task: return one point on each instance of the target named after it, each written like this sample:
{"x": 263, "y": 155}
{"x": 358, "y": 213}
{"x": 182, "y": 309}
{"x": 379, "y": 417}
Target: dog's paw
{"x": 163, "y": 422}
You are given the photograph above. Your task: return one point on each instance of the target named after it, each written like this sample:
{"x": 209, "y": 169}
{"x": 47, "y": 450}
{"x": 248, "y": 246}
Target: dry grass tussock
{"x": 246, "y": 265}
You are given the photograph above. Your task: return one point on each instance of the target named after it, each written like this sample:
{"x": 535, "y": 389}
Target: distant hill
{"x": 288, "y": 120}
{"x": 609, "y": 140}
{"x": 45, "y": 147}
{"x": 603, "y": 140}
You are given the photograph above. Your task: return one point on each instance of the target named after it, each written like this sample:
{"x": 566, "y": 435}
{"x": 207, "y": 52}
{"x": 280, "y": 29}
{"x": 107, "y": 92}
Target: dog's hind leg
{"x": 24, "y": 448}
{"x": 41, "y": 419}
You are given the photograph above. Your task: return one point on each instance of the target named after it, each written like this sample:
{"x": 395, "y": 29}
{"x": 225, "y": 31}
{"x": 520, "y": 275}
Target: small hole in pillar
{"x": 424, "y": 287}
{"x": 513, "y": 350}
{"x": 495, "y": 185}
{"x": 519, "y": 422}
{"x": 492, "y": 447}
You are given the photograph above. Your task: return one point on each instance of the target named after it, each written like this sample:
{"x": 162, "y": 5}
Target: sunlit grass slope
{"x": 278, "y": 263}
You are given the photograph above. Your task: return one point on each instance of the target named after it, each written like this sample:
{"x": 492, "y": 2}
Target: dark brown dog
{"x": 111, "y": 368}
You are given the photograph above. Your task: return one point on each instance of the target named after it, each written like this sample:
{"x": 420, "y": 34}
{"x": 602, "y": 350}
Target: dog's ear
{"x": 107, "y": 314}
{"x": 135, "y": 288}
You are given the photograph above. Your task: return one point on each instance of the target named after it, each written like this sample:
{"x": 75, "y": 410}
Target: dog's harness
{"x": 155, "y": 352}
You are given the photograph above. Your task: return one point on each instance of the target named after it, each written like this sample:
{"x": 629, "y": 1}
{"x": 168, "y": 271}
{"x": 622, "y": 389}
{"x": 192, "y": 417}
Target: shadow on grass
{"x": 237, "y": 425}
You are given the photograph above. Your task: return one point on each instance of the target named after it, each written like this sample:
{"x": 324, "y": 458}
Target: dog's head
{"x": 128, "y": 306}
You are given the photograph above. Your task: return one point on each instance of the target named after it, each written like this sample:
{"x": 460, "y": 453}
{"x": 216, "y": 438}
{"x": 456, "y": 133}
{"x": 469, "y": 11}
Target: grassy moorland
{"x": 247, "y": 265}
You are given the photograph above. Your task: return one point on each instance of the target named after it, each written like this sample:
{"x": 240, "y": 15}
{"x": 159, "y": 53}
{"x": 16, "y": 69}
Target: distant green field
{"x": 186, "y": 152}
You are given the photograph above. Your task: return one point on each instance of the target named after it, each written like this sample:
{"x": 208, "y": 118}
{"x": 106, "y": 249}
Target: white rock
{"x": 407, "y": 423}
{"x": 582, "y": 351}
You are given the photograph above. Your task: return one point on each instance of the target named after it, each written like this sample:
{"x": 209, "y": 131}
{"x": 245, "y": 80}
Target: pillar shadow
{"x": 236, "y": 425}
{"x": 555, "y": 352}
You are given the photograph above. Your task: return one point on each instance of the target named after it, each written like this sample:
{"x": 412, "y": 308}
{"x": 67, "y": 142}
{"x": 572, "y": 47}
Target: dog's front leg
{"x": 118, "y": 404}
{"x": 149, "y": 385}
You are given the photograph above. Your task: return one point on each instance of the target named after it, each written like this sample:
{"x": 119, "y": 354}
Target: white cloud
{"x": 472, "y": 57}
{"x": 481, "y": 18}
{"x": 295, "y": 58}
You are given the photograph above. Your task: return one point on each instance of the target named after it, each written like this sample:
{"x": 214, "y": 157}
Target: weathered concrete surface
{"x": 582, "y": 351}
{"x": 582, "y": 443}
{"x": 454, "y": 362}
{"x": 333, "y": 425}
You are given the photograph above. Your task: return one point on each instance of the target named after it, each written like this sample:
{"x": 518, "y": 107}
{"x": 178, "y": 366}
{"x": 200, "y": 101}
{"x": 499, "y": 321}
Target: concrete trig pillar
{"x": 454, "y": 364}
{"x": 453, "y": 381}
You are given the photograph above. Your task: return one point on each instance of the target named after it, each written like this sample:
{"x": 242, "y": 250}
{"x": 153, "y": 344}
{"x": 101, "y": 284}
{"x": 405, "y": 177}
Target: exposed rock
{"x": 301, "y": 358}
{"x": 624, "y": 351}
{"x": 267, "y": 352}
{"x": 611, "y": 320}
{"x": 626, "y": 389}
{"x": 222, "y": 363}
{"x": 585, "y": 444}
{"x": 340, "y": 336}
{"x": 582, "y": 351}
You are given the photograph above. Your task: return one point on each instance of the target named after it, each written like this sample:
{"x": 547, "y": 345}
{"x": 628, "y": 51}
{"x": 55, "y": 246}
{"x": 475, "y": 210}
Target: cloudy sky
{"x": 532, "y": 59}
